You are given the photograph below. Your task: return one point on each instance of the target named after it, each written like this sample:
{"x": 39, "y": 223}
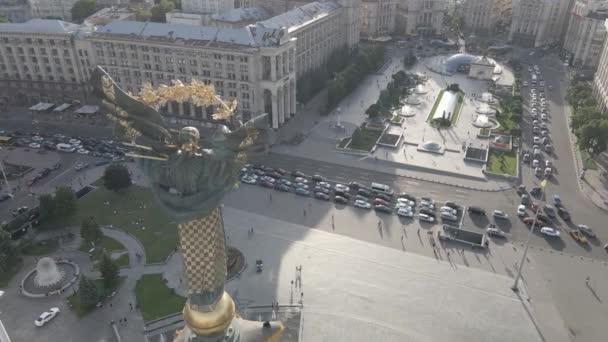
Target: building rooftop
{"x": 192, "y": 35}
{"x": 300, "y": 16}
{"x": 236, "y": 15}
{"x": 40, "y": 26}
{"x": 110, "y": 14}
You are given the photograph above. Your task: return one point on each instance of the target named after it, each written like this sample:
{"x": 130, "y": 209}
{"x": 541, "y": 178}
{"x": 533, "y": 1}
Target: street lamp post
{"x": 523, "y": 257}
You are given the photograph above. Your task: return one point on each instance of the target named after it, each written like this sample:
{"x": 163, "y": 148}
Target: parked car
{"x": 340, "y": 199}
{"x": 578, "y": 236}
{"x": 282, "y": 187}
{"x": 385, "y": 197}
{"x": 320, "y": 189}
{"x": 426, "y": 218}
{"x": 322, "y": 196}
{"x": 549, "y": 210}
{"x": 362, "y": 204}
{"x": 81, "y": 166}
{"x": 382, "y": 208}
{"x": 46, "y": 317}
{"x": 355, "y": 185}
{"x": 301, "y": 185}
{"x": 521, "y": 210}
{"x": 495, "y": 232}
{"x": 476, "y": 210}
{"x": 285, "y": 181}
{"x": 406, "y": 201}
{"x": 499, "y": 214}
{"x": 297, "y": 174}
{"x": 408, "y": 196}
{"x": 300, "y": 180}
{"x": 427, "y": 211}
{"x": 268, "y": 184}
{"x": 536, "y": 191}
{"x": 429, "y": 205}
{"x": 450, "y": 210}
{"x": 403, "y": 212}
{"x": 302, "y": 192}
{"x": 324, "y": 184}
{"x": 585, "y": 229}
{"x": 451, "y": 204}
{"x": 550, "y": 231}
{"x": 448, "y": 217}
{"x": 557, "y": 201}
{"x": 319, "y": 178}
{"x": 19, "y": 211}
{"x": 563, "y": 213}
{"x": 364, "y": 192}
{"x": 248, "y": 180}
{"x": 342, "y": 194}
{"x": 380, "y": 201}
{"x": 529, "y": 220}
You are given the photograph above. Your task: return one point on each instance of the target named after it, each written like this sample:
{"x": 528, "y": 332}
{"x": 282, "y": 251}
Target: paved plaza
{"x": 322, "y": 138}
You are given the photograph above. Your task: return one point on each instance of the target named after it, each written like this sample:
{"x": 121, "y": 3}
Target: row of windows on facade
{"x": 35, "y": 68}
{"x": 34, "y": 41}
{"x": 41, "y": 85}
{"x": 179, "y": 61}
{"x": 23, "y": 59}
{"x": 36, "y": 51}
{"x": 28, "y": 77}
{"x": 200, "y": 54}
{"x": 179, "y": 70}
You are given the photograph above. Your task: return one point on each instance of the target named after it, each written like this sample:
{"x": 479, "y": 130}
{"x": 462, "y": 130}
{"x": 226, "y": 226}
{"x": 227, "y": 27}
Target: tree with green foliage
{"x": 374, "y": 110}
{"x": 158, "y": 11}
{"x": 593, "y": 136}
{"x": 409, "y": 60}
{"x": 82, "y": 9}
{"x": 116, "y": 177}
{"x": 46, "y": 206}
{"x": 88, "y": 292}
{"x": 65, "y": 201}
{"x": 142, "y": 14}
{"x": 4, "y": 19}
{"x": 109, "y": 271}
{"x": 90, "y": 231}
{"x": 8, "y": 252}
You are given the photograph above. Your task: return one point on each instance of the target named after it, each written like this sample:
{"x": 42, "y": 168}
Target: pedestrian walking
{"x": 587, "y": 280}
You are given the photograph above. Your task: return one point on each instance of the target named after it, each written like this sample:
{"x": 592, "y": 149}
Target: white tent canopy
{"x": 62, "y": 107}
{"x": 42, "y": 106}
{"x": 87, "y": 109}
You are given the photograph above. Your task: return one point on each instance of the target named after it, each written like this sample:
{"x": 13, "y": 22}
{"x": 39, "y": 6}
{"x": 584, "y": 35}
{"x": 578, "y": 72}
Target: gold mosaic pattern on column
{"x": 204, "y": 252}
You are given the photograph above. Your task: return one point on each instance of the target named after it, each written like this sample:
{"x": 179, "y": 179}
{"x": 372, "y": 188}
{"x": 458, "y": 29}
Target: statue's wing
{"x": 141, "y": 117}
{"x": 252, "y": 137}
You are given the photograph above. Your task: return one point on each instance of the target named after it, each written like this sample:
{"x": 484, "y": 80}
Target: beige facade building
{"x": 52, "y": 9}
{"x": 539, "y": 22}
{"x": 16, "y": 11}
{"x": 254, "y": 65}
{"x": 600, "y": 80}
{"x": 207, "y": 6}
{"x": 321, "y": 28}
{"x": 420, "y": 17}
{"x": 486, "y": 16}
{"x": 38, "y": 62}
{"x": 586, "y": 32}
{"x": 378, "y": 18}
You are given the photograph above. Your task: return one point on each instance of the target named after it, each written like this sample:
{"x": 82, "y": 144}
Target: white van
{"x": 382, "y": 188}
{"x": 65, "y": 148}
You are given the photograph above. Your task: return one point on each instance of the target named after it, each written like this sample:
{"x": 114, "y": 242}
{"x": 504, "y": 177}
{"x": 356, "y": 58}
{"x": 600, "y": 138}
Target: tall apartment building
{"x": 600, "y": 79}
{"x": 38, "y": 62}
{"x": 420, "y": 17}
{"x": 206, "y": 6}
{"x": 320, "y": 29}
{"x": 377, "y": 18}
{"x": 486, "y": 16}
{"x": 57, "y": 9}
{"x": 539, "y": 22}
{"x": 586, "y": 32}
{"x": 16, "y": 11}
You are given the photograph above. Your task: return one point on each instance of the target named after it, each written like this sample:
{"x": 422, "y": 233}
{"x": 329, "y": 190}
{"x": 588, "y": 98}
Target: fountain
{"x": 47, "y": 273}
{"x": 487, "y": 98}
{"x": 420, "y": 89}
{"x": 406, "y": 111}
{"x": 412, "y": 100}
{"x": 484, "y": 108}
{"x": 482, "y": 121}
{"x": 49, "y": 277}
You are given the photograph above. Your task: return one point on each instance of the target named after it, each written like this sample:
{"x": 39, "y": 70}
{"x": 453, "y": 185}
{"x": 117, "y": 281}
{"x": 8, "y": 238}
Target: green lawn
{"x": 484, "y": 132}
{"x": 155, "y": 231}
{"x": 588, "y": 162}
{"x": 343, "y": 142}
{"x": 155, "y": 299}
{"x": 123, "y": 260}
{"x": 41, "y": 247}
{"x": 502, "y": 162}
{"x": 364, "y": 139}
{"x": 454, "y": 117}
{"x": 5, "y": 277}
{"x": 435, "y": 105}
{"x": 74, "y": 299}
